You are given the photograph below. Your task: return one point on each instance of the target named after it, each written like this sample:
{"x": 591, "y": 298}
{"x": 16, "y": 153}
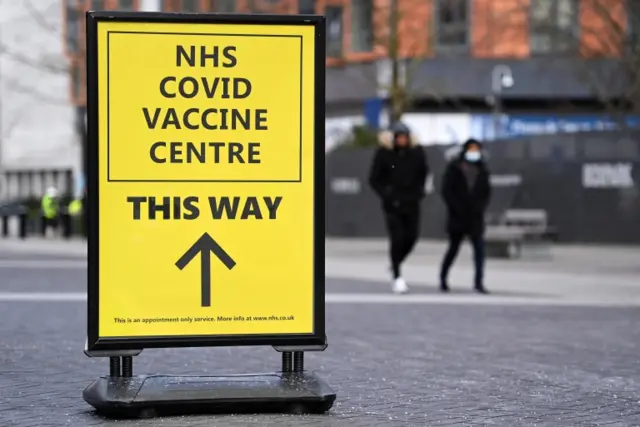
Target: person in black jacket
{"x": 398, "y": 175}
{"x": 466, "y": 191}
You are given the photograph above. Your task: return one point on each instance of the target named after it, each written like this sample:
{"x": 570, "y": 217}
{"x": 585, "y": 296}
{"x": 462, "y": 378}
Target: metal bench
{"x": 520, "y": 233}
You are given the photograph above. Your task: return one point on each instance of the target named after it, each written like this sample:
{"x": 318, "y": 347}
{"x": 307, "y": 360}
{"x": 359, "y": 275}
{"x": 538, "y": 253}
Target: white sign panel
{"x": 607, "y": 175}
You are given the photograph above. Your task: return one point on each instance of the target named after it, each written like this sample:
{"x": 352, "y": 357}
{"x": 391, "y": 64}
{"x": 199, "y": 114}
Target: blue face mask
{"x": 472, "y": 156}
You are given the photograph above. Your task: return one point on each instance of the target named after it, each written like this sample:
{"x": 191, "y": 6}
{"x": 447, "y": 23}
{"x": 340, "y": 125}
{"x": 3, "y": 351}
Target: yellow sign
{"x": 206, "y": 179}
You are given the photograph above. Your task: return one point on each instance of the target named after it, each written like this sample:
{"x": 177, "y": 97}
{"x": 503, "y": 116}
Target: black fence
{"x": 588, "y": 183}
{"x": 21, "y": 194}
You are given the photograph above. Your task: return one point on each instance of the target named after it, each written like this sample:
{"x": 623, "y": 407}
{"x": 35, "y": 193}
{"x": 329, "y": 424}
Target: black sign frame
{"x": 318, "y": 336}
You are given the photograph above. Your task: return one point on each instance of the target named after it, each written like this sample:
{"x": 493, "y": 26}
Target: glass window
{"x": 566, "y": 14}
{"x": 76, "y": 81}
{"x": 171, "y": 5}
{"x": 553, "y": 26}
{"x": 306, "y": 7}
{"x": 333, "y": 16}
{"x": 361, "y": 25}
{"x": 72, "y": 24}
{"x": 253, "y": 7}
{"x": 224, "y": 6}
{"x": 125, "y": 5}
{"x": 98, "y": 5}
{"x": 633, "y": 25}
{"x": 190, "y": 6}
{"x": 541, "y": 10}
{"x": 261, "y": 6}
{"x": 452, "y": 23}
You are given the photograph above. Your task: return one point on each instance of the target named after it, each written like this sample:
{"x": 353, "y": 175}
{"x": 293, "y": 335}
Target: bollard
{"x": 22, "y": 226}
{"x": 43, "y": 225}
{"x": 65, "y": 220}
{"x": 5, "y": 225}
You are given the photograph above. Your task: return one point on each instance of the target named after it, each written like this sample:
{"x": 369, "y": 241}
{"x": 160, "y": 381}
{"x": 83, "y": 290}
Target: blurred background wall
{"x": 36, "y": 116}
{"x": 514, "y": 73}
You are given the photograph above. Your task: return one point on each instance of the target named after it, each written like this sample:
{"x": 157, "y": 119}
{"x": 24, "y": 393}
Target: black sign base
{"x": 161, "y": 395}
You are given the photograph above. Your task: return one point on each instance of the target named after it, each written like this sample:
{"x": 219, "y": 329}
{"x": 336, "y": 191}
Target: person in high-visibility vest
{"x": 75, "y": 207}
{"x": 50, "y": 209}
{"x": 75, "y": 216}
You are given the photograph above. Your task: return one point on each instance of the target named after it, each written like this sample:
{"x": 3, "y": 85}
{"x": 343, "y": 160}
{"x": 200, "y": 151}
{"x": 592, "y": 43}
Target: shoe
{"x": 481, "y": 289}
{"x": 399, "y": 286}
{"x": 444, "y": 287}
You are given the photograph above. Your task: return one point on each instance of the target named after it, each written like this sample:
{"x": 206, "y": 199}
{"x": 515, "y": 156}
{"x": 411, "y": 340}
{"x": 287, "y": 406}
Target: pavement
{"x": 556, "y": 344}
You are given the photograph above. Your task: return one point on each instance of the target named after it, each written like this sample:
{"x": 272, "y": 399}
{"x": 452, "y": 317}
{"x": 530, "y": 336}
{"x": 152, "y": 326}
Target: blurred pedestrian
{"x": 50, "y": 211}
{"x": 75, "y": 207}
{"x": 466, "y": 191}
{"x": 398, "y": 176}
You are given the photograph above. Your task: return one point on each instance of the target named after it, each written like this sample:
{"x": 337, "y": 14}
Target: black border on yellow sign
{"x": 318, "y": 336}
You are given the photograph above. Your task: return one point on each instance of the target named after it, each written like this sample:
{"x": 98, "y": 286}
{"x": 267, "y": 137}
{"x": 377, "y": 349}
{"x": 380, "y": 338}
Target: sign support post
{"x": 205, "y": 195}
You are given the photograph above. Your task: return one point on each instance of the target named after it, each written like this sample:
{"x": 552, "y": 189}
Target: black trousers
{"x": 455, "y": 240}
{"x": 49, "y": 223}
{"x": 403, "y": 227}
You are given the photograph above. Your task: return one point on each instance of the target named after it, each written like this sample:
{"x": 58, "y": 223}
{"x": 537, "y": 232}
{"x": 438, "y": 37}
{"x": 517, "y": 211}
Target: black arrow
{"x": 204, "y": 246}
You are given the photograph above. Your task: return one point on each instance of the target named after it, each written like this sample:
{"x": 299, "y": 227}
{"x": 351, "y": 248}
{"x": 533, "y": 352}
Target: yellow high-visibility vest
{"x": 75, "y": 207}
{"x": 49, "y": 207}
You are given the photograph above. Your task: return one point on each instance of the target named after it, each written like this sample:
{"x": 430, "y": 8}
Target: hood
{"x": 385, "y": 138}
{"x": 469, "y": 142}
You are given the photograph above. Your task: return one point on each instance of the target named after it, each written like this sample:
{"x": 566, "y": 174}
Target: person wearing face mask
{"x": 466, "y": 191}
{"x": 398, "y": 176}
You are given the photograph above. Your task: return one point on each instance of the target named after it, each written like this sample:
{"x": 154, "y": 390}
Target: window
{"x": 361, "y": 25}
{"x": 190, "y": 6}
{"x": 76, "y": 82}
{"x": 98, "y": 5}
{"x": 72, "y": 17}
{"x": 253, "y": 7}
{"x": 553, "y": 26}
{"x": 306, "y": 7}
{"x": 181, "y": 5}
{"x": 633, "y": 26}
{"x": 262, "y": 6}
{"x": 333, "y": 16}
{"x": 223, "y": 6}
{"x": 125, "y": 5}
{"x": 452, "y": 24}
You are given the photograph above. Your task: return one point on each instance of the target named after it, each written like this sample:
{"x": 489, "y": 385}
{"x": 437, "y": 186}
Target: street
{"x": 556, "y": 344}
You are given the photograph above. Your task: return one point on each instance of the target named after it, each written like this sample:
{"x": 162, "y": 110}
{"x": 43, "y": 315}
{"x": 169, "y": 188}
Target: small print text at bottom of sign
{"x": 191, "y": 207}
{"x": 205, "y": 319}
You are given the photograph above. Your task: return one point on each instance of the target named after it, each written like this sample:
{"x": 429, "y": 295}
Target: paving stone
{"x": 391, "y": 364}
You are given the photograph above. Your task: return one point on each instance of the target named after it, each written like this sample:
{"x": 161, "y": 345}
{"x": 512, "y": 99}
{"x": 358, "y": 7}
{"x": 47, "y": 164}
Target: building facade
{"x": 36, "y": 117}
{"x": 471, "y": 67}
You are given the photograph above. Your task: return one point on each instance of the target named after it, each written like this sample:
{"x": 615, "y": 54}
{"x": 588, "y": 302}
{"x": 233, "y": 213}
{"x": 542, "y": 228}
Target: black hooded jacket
{"x": 398, "y": 175}
{"x": 466, "y": 205}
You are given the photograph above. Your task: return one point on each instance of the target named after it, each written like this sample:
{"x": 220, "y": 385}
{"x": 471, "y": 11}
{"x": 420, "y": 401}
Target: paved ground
{"x": 571, "y": 275}
{"x": 408, "y": 361}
